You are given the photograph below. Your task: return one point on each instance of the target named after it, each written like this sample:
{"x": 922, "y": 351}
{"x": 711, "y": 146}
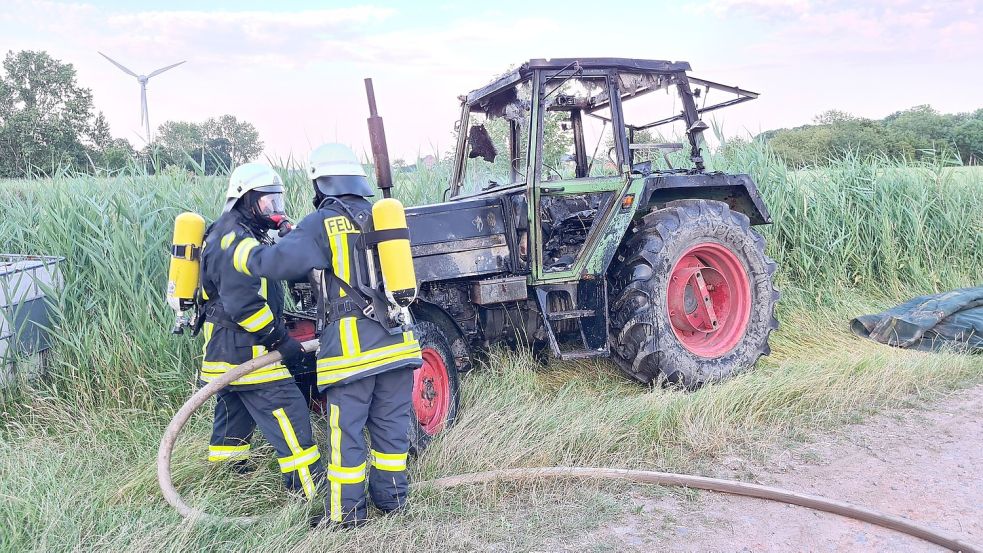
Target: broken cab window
{"x": 497, "y": 142}
{"x": 578, "y": 138}
{"x": 647, "y": 101}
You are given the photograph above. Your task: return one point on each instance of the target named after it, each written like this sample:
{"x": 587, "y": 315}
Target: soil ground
{"x": 922, "y": 463}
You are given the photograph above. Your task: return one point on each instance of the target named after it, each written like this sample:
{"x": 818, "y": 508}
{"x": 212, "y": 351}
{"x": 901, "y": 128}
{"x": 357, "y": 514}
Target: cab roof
{"x": 559, "y": 64}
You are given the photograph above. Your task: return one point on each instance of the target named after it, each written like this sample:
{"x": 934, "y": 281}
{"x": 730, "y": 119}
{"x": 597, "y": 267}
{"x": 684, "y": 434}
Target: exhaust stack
{"x": 377, "y": 138}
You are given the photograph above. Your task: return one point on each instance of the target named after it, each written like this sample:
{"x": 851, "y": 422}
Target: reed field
{"x": 78, "y": 448}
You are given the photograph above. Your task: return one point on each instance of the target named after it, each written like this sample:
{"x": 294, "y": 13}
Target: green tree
{"x": 214, "y": 146}
{"x": 803, "y": 146}
{"x": 968, "y": 138}
{"x": 833, "y": 117}
{"x": 214, "y": 157}
{"x": 110, "y": 155}
{"x": 242, "y": 136}
{"x": 46, "y": 118}
{"x": 176, "y": 141}
{"x": 907, "y": 134}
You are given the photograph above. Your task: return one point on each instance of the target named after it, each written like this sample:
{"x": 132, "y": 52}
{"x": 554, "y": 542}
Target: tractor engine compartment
{"x": 513, "y": 322}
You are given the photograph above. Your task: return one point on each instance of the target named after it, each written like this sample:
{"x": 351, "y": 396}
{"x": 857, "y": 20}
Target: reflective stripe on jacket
{"x": 327, "y": 239}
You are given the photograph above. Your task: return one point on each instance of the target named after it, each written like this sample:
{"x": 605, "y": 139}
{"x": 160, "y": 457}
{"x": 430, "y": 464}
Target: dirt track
{"x": 925, "y": 464}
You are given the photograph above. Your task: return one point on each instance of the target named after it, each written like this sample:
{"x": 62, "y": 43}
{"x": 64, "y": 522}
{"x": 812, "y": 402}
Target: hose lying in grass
{"x": 522, "y": 474}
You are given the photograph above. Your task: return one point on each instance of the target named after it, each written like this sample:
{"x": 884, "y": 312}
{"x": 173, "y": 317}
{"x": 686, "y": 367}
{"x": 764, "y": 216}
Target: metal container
{"x": 499, "y": 290}
{"x": 24, "y": 312}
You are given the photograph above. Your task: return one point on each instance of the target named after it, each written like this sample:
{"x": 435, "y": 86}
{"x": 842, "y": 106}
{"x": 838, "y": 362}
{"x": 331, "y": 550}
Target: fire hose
{"x": 815, "y": 502}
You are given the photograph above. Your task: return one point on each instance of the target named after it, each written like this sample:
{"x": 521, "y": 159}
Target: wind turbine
{"x": 142, "y": 79}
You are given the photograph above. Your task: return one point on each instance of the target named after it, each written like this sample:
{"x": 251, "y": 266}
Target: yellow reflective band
{"x": 348, "y": 335}
{"x": 346, "y": 272}
{"x": 338, "y": 363}
{"x": 244, "y": 447}
{"x": 358, "y": 346}
{"x": 325, "y": 378}
{"x": 241, "y": 254}
{"x": 220, "y": 367}
{"x": 210, "y": 370}
{"x": 335, "y": 487}
{"x": 227, "y": 240}
{"x": 330, "y": 376}
{"x": 339, "y": 263}
{"x": 288, "y": 430}
{"x": 263, "y": 288}
{"x": 346, "y": 475}
{"x": 258, "y": 320}
{"x": 388, "y": 461}
{"x": 207, "y": 329}
{"x": 219, "y": 453}
{"x": 298, "y": 460}
{"x": 306, "y": 481}
{"x": 389, "y": 456}
{"x": 375, "y": 352}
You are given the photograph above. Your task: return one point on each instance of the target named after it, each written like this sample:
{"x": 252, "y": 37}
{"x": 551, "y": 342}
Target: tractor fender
{"x": 423, "y": 310}
{"x": 737, "y": 191}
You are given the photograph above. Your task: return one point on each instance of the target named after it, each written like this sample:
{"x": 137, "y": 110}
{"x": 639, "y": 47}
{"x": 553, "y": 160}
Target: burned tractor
{"x": 566, "y": 228}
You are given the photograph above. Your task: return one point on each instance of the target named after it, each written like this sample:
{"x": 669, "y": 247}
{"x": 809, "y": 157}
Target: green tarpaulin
{"x": 929, "y": 323}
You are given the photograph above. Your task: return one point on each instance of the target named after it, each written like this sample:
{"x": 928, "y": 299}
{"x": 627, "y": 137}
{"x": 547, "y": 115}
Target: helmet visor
{"x": 270, "y": 204}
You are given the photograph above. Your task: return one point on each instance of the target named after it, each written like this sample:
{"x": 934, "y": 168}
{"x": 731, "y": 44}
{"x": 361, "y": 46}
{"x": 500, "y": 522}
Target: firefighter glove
{"x": 292, "y": 351}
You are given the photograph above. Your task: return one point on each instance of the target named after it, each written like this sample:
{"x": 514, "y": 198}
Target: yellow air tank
{"x": 182, "y": 277}
{"x": 395, "y": 258}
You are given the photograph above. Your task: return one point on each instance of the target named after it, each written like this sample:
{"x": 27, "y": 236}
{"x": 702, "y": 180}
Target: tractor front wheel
{"x": 692, "y": 295}
{"x": 435, "y": 392}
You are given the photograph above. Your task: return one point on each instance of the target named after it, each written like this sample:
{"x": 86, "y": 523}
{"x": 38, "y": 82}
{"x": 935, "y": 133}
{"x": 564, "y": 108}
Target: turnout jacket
{"x": 352, "y": 346}
{"x": 242, "y": 312}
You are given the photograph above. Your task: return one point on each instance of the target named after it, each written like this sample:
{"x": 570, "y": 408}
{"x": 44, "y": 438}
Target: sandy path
{"x": 924, "y": 464}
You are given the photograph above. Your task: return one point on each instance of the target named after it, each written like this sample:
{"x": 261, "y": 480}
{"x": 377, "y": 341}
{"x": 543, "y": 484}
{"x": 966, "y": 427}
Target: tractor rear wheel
{"x": 435, "y": 387}
{"x": 692, "y": 298}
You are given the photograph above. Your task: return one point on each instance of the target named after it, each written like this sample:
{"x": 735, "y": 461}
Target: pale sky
{"x": 295, "y": 68}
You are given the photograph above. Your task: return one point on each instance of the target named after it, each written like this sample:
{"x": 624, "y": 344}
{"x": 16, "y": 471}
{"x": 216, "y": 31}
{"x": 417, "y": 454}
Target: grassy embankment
{"x": 77, "y": 452}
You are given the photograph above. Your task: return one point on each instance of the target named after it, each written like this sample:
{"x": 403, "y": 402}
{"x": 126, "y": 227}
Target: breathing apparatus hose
{"x": 733, "y": 487}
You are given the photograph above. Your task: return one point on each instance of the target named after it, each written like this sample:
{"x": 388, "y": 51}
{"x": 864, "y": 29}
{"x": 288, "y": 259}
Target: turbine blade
{"x": 162, "y": 69}
{"x": 117, "y": 64}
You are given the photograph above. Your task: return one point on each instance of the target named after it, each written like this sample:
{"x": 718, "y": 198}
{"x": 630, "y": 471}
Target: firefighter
{"x": 364, "y": 370}
{"x": 243, "y": 320}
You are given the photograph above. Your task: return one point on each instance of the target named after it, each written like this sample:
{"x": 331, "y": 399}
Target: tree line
{"x": 911, "y": 134}
{"x": 48, "y": 124}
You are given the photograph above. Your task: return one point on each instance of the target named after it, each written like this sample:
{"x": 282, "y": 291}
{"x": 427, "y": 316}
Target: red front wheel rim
{"x": 431, "y": 392}
{"x": 709, "y": 300}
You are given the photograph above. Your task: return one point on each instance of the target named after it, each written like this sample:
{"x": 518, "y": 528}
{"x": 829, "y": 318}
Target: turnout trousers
{"x": 380, "y": 403}
{"x": 281, "y": 412}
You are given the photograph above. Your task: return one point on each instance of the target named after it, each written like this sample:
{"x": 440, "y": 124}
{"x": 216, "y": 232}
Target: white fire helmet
{"x": 336, "y": 171}
{"x": 251, "y": 176}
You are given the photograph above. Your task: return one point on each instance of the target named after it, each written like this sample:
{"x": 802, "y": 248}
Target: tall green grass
{"x": 869, "y": 223}
{"x": 77, "y": 450}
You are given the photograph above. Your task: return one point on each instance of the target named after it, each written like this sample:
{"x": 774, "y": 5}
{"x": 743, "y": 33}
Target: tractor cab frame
{"x": 511, "y": 125}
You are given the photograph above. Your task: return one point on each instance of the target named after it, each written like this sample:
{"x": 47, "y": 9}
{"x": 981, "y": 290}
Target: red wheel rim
{"x": 709, "y": 300}
{"x": 431, "y": 392}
